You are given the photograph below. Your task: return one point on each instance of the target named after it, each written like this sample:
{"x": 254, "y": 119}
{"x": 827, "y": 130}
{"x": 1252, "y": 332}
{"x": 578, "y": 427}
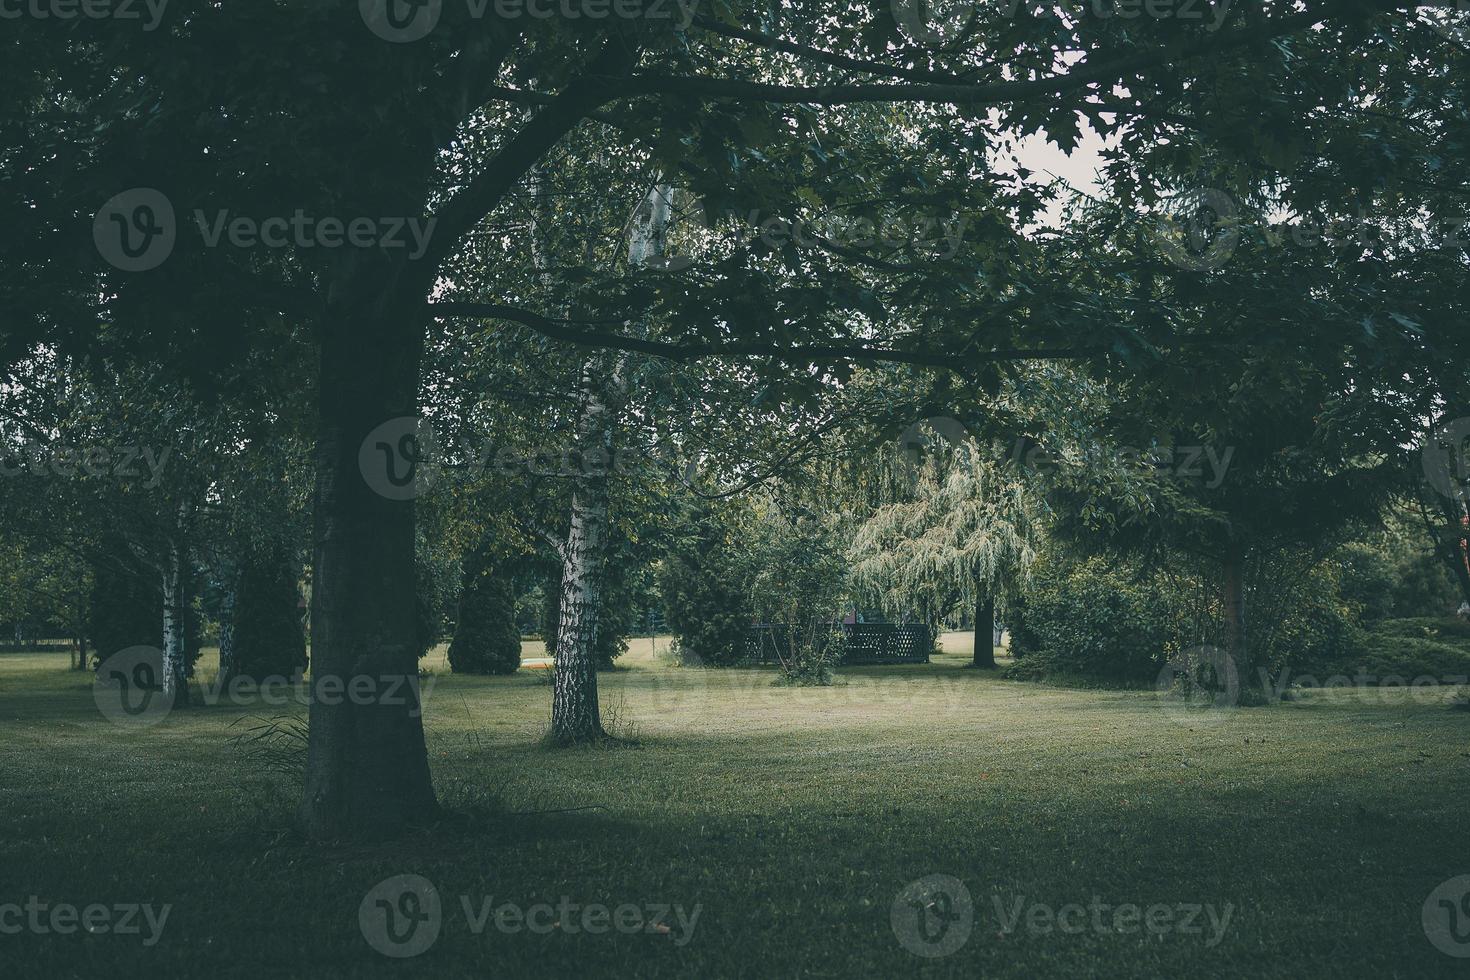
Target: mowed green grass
{"x": 791, "y": 818}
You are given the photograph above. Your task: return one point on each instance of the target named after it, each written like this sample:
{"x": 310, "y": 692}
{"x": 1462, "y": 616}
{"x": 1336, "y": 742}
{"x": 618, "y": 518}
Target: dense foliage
{"x": 486, "y": 640}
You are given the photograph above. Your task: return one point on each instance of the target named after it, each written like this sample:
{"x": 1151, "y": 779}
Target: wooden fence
{"x": 867, "y": 643}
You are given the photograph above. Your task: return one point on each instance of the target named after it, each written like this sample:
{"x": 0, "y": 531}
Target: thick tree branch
{"x": 577, "y": 333}
{"x": 515, "y": 159}
{"x": 830, "y": 58}
{"x": 990, "y": 93}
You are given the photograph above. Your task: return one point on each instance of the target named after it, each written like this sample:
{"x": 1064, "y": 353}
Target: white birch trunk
{"x": 575, "y": 716}
{"x": 574, "y": 709}
{"x": 175, "y": 681}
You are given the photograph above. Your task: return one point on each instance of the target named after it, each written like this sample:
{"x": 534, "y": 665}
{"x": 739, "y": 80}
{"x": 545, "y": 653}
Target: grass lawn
{"x": 791, "y": 818}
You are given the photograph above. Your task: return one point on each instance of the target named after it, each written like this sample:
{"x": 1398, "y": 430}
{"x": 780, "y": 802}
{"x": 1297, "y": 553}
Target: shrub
{"x": 1446, "y": 629}
{"x": 703, "y": 588}
{"x": 268, "y": 637}
{"x": 1408, "y": 649}
{"x": 1304, "y": 621}
{"x": 486, "y": 639}
{"x": 816, "y": 650}
{"x": 1100, "y": 619}
{"x": 1093, "y": 618}
{"x": 125, "y": 609}
{"x": 1412, "y": 657}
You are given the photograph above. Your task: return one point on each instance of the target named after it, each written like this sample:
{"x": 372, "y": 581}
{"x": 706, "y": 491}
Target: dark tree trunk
{"x": 984, "y": 630}
{"x": 367, "y": 770}
{"x": 1233, "y": 595}
{"x": 227, "y": 630}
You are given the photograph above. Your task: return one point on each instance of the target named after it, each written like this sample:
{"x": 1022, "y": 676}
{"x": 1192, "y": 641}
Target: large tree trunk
{"x": 175, "y": 601}
{"x": 984, "y": 629}
{"x": 367, "y": 770}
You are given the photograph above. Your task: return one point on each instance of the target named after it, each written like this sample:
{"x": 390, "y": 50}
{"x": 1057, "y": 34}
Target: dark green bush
{"x": 1305, "y": 622}
{"x": 1408, "y": 649}
{"x": 269, "y": 640}
{"x": 1094, "y": 618}
{"x": 1447, "y": 629}
{"x": 125, "y": 609}
{"x": 705, "y": 599}
{"x": 1102, "y": 619}
{"x": 486, "y": 638}
{"x": 1410, "y": 657}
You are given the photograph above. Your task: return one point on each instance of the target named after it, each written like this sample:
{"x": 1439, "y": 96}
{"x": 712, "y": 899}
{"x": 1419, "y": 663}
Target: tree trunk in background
{"x": 175, "y": 600}
{"x": 1236, "y": 635}
{"x": 367, "y": 770}
{"x": 1458, "y": 548}
{"x": 984, "y": 630}
{"x": 227, "y": 630}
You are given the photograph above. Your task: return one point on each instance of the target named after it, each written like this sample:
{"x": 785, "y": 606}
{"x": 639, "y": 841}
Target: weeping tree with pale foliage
{"x": 965, "y": 532}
